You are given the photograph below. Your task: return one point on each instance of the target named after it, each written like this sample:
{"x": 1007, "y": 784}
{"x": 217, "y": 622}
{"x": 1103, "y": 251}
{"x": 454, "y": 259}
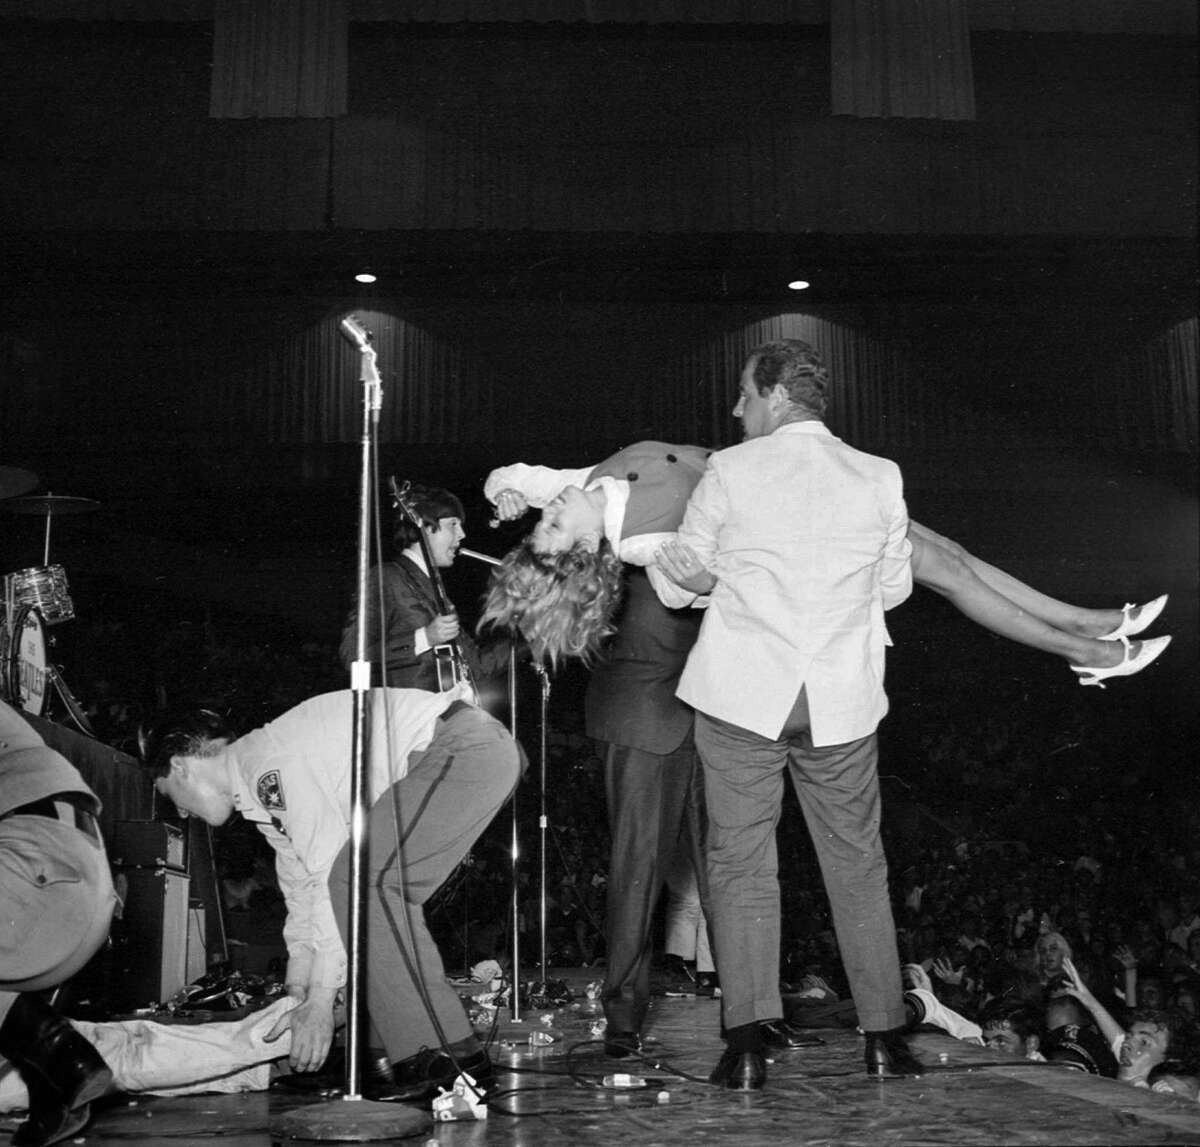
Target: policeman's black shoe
{"x": 707, "y": 984}
{"x": 888, "y": 1057}
{"x": 779, "y": 1035}
{"x": 621, "y": 1045}
{"x": 61, "y": 1070}
{"x": 46, "y": 1049}
{"x": 374, "y": 1071}
{"x": 421, "y": 1077}
{"x": 740, "y": 1070}
{"x": 50, "y": 1118}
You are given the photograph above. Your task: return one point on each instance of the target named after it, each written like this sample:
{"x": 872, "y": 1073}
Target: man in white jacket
{"x": 800, "y": 544}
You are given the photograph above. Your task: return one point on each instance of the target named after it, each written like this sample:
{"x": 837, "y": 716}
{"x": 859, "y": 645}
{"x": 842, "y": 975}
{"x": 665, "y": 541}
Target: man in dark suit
{"x": 414, "y": 625}
{"x": 627, "y": 505}
{"x": 652, "y": 785}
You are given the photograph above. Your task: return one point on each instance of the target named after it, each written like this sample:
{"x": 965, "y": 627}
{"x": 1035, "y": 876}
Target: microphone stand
{"x": 360, "y": 684}
{"x": 353, "y": 1117}
{"x": 543, "y": 819}
{"x": 515, "y": 987}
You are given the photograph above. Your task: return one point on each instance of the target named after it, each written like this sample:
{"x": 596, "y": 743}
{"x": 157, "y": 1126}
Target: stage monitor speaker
{"x": 150, "y": 941}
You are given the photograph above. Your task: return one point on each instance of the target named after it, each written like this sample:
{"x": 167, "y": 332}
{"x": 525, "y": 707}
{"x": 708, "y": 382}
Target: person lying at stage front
{"x": 438, "y": 771}
{"x": 560, "y": 586}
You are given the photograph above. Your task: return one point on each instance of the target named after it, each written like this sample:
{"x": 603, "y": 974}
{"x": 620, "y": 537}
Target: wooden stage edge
{"x": 554, "y": 1096}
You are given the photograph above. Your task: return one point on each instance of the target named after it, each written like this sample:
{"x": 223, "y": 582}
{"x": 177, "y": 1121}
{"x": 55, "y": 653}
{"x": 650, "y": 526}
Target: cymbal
{"x": 49, "y": 504}
{"x": 14, "y": 481}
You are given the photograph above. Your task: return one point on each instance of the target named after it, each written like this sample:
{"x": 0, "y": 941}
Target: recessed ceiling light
{"x": 798, "y": 285}
{"x": 364, "y": 277}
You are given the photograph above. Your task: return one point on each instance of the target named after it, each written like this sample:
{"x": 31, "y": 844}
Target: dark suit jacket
{"x": 409, "y": 604}
{"x": 631, "y": 698}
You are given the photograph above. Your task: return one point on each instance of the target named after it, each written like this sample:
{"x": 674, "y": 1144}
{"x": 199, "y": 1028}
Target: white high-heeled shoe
{"x": 1150, "y": 649}
{"x": 1146, "y": 617}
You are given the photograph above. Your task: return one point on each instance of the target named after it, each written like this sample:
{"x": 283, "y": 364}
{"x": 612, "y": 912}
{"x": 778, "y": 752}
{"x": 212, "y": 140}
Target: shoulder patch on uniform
{"x": 270, "y": 791}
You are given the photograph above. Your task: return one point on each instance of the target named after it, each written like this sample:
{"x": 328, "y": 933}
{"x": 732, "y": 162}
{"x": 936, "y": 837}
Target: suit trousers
{"x": 655, "y": 806}
{"x": 418, "y": 831}
{"x": 838, "y": 790}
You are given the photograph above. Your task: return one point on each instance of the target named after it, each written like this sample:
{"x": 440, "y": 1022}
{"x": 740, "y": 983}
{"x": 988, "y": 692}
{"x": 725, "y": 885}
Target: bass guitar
{"x": 451, "y": 663}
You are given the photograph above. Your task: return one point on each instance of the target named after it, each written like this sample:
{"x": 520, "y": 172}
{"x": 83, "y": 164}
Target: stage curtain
{"x": 278, "y": 58}
{"x": 305, "y": 385}
{"x": 1168, "y": 379}
{"x": 902, "y": 58}
{"x": 879, "y": 397}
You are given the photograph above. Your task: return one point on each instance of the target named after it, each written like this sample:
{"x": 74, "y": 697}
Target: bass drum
{"x": 26, "y": 677}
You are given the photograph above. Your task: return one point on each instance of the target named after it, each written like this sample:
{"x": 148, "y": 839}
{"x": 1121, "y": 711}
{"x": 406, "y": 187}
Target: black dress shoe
{"x": 421, "y": 1077}
{"x": 621, "y": 1045}
{"x": 51, "y": 1119}
{"x": 740, "y": 1070}
{"x": 707, "y": 984}
{"x": 677, "y": 969}
{"x": 61, "y": 1070}
{"x": 780, "y": 1035}
{"x": 888, "y": 1056}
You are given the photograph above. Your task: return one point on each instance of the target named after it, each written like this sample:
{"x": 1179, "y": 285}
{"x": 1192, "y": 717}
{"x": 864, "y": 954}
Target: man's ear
{"x": 590, "y": 541}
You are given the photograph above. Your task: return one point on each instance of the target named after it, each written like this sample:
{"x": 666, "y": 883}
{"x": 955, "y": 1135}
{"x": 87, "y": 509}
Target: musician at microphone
{"x": 421, "y": 639}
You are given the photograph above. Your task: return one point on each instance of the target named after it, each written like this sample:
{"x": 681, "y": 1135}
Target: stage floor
{"x": 813, "y": 1096}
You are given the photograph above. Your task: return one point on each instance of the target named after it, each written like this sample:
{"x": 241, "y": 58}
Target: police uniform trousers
{"x": 56, "y": 897}
{"x": 418, "y": 832}
{"x": 838, "y": 790}
{"x": 655, "y": 806}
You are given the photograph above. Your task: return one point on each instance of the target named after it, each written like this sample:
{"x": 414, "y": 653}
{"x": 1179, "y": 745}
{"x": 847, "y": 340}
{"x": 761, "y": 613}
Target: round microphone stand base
{"x": 351, "y": 1121}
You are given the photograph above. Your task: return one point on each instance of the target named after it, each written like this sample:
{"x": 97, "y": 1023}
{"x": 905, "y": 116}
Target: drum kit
{"x": 35, "y": 600}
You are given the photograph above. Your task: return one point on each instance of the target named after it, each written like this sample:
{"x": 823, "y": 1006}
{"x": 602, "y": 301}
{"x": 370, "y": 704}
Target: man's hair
{"x": 431, "y": 504}
{"x": 798, "y": 367}
{"x": 562, "y": 604}
{"x": 180, "y": 732}
{"x": 1167, "y": 1021}
{"x": 1068, "y": 1010}
{"x": 1023, "y": 1018}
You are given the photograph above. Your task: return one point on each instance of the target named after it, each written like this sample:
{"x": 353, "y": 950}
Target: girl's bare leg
{"x": 1010, "y": 608}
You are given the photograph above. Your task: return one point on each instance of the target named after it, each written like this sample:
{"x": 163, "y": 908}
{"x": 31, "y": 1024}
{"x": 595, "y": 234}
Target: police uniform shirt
{"x": 292, "y": 779}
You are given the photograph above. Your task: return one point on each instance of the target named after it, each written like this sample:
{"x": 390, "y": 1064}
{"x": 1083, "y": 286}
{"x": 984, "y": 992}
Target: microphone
{"x": 478, "y": 556}
{"x": 356, "y": 332}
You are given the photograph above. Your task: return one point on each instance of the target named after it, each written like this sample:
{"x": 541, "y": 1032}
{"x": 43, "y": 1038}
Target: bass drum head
{"x": 26, "y": 676}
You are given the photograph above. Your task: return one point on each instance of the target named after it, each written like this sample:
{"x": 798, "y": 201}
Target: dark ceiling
{"x": 418, "y": 267}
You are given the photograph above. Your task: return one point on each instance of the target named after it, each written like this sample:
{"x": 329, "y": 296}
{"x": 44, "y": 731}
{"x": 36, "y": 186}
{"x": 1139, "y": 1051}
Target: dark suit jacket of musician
{"x": 631, "y": 698}
{"x": 409, "y": 604}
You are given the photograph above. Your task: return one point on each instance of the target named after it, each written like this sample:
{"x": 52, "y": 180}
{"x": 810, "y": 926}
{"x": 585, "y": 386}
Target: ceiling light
{"x": 798, "y": 285}
{"x": 364, "y": 277}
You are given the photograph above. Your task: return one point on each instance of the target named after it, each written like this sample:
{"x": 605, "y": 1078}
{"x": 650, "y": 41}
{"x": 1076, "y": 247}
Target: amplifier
{"x": 146, "y": 844}
{"x": 150, "y": 939}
